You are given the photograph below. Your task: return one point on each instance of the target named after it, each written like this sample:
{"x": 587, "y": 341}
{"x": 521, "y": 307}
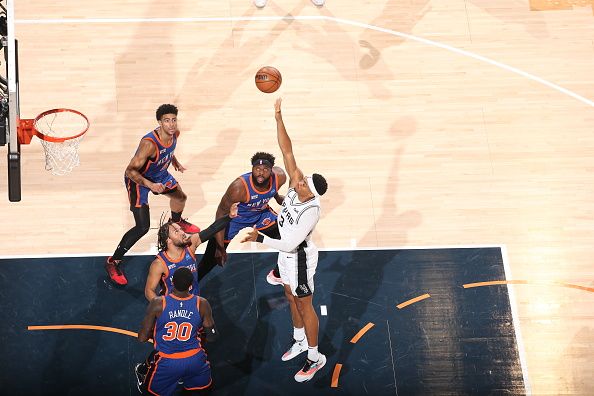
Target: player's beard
{"x": 262, "y": 185}
{"x": 183, "y": 243}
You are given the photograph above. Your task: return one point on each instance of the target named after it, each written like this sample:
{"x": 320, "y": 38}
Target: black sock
{"x": 143, "y": 223}
{"x": 276, "y": 271}
{"x": 175, "y": 216}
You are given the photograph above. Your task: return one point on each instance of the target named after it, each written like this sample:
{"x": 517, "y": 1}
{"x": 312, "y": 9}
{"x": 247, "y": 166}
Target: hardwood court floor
{"x": 424, "y": 142}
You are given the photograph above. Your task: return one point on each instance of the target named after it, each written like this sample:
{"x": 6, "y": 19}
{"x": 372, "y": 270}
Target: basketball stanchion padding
{"x": 60, "y": 132}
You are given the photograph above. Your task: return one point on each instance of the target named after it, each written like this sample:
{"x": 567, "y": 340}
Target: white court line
{"x": 516, "y": 321}
{"x": 316, "y": 18}
{"x": 338, "y": 249}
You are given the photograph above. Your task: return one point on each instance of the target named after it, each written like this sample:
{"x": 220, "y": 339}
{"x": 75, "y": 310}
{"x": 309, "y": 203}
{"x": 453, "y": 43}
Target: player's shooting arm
{"x": 208, "y": 321}
{"x": 284, "y": 142}
{"x": 154, "y": 309}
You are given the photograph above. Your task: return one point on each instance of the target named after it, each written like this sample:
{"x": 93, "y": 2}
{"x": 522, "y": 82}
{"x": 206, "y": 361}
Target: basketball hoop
{"x": 60, "y": 132}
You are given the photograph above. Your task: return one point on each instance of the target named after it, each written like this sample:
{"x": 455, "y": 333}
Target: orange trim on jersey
{"x": 247, "y": 190}
{"x": 198, "y": 306}
{"x": 160, "y": 141}
{"x": 138, "y": 205}
{"x": 149, "y": 162}
{"x": 153, "y": 376}
{"x": 180, "y": 355}
{"x": 172, "y": 187}
{"x": 181, "y": 298}
{"x": 201, "y": 387}
{"x": 255, "y": 189}
{"x": 180, "y": 258}
{"x": 165, "y": 272}
{"x": 265, "y": 227}
{"x": 191, "y": 253}
{"x": 128, "y": 189}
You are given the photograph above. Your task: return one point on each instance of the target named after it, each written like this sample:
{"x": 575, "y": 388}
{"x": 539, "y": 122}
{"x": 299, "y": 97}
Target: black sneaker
{"x": 141, "y": 370}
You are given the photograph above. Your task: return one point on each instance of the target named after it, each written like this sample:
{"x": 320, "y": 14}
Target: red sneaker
{"x": 187, "y": 227}
{"x": 112, "y": 268}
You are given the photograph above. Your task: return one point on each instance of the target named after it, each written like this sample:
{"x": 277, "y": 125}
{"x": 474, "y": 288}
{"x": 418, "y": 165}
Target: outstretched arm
{"x": 288, "y": 243}
{"x": 211, "y": 230}
{"x": 284, "y": 142}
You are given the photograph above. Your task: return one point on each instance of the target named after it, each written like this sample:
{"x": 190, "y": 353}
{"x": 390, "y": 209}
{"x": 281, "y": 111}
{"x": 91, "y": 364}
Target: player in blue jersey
{"x": 253, "y": 191}
{"x": 147, "y": 172}
{"x": 176, "y": 250}
{"x": 175, "y": 321}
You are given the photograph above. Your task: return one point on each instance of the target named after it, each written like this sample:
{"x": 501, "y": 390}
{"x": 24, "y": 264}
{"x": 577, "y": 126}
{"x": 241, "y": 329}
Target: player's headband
{"x": 264, "y": 162}
{"x": 312, "y": 186}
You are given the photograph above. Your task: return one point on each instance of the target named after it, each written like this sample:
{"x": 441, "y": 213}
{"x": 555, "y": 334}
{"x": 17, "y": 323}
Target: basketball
{"x": 268, "y": 79}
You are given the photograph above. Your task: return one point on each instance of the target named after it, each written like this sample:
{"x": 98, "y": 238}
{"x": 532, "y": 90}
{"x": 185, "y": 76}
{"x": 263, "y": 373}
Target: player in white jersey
{"x": 298, "y": 256}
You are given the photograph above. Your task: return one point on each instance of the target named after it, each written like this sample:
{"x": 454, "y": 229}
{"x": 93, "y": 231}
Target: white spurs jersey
{"x": 297, "y": 220}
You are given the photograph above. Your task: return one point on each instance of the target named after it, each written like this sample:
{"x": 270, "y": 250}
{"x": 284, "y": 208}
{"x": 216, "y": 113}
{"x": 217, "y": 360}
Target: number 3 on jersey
{"x": 177, "y": 332}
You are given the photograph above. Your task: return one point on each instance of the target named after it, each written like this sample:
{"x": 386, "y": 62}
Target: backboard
{"x": 9, "y": 103}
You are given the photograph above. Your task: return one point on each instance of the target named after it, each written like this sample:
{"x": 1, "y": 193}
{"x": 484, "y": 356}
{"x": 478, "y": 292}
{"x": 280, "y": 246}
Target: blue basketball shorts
{"x": 138, "y": 195}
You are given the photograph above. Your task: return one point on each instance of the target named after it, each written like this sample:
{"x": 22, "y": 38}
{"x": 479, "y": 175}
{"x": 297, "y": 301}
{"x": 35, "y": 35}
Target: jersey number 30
{"x": 179, "y": 332}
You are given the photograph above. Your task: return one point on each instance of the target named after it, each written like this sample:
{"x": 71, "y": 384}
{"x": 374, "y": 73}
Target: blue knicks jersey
{"x": 156, "y": 167}
{"x": 177, "y": 327}
{"x": 186, "y": 259}
{"x": 257, "y": 201}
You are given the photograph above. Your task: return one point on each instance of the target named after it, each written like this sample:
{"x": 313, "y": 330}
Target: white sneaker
{"x": 295, "y": 349}
{"x": 318, "y": 3}
{"x": 310, "y": 369}
{"x": 261, "y": 3}
{"x": 272, "y": 279}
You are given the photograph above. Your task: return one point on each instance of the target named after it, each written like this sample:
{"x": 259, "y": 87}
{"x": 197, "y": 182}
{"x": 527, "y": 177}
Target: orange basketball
{"x": 268, "y": 79}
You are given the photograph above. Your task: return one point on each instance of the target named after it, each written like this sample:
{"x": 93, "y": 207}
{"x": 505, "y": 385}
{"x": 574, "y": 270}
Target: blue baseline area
{"x": 458, "y": 341}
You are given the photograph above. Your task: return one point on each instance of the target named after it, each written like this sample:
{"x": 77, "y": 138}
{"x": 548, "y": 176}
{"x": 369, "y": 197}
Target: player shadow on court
{"x": 79, "y": 351}
{"x": 332, "y": 32}
{"x": 240, "y": 318}
{"x": 232, "y": 49}
{"x": 361, "y": 271}
{"x": 404, "y": 17}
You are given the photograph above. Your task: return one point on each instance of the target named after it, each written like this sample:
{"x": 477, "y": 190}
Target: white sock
{"x": 312, "y": 353}
{"x": 299, "y": 333}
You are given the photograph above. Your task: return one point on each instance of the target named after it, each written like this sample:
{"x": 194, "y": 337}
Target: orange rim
{"x": 54, "y": 139}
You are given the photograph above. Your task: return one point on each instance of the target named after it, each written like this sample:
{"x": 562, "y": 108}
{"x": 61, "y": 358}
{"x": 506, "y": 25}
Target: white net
{"x": 60, "y": 139}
